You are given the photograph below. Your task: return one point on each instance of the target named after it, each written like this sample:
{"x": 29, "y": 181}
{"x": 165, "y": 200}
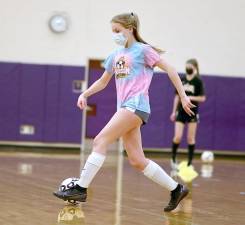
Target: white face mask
{"x": 119, "y": 38}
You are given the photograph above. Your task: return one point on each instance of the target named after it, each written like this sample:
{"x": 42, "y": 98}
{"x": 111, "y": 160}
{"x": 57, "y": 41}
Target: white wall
{"x": 26, "y": 37}
{"x": 211, "y": 30}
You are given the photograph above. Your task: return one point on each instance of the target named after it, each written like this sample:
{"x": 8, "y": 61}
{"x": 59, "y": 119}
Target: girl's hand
{"x": 82, "y": 102}
{"x": 173, "y": 116}
{"x": 187, "y": 105}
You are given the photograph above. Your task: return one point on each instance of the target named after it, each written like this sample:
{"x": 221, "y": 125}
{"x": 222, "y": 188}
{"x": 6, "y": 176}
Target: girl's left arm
{"x": 174, "y": 77}
{"x": 198, "y": 98}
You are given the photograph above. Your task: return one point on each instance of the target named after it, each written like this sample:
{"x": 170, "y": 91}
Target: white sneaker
{"x": 174, "y": 174}
{"x": 174, "y": 165}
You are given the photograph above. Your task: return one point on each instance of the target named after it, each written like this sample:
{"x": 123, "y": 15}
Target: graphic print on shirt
{"x": 189, "y": 88}
{"x": 122, "y": 68}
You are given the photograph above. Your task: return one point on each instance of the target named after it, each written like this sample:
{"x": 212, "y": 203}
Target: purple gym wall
{"x": 222, "y": 116}
{"x": 41, "y": 95}
{"x": 222, "y": 125}
{"x": 105, "y": 105}
{"x": 9, "y": 100}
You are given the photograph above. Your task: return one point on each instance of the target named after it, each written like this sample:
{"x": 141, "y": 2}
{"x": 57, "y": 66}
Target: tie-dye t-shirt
{"x": 133, "y": 70}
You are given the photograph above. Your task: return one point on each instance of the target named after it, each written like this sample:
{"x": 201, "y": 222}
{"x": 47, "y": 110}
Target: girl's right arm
{"x": 97, "y": 86}
{"x": 174, "y": 77}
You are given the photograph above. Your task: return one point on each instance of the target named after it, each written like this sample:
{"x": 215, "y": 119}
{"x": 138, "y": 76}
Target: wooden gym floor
{"x": 119, "y": 195}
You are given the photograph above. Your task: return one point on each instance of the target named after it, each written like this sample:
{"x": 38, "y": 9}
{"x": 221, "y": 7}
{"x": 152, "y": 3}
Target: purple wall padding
{"x": 241, "y": 116}
{"x": 105, "y": 103}
{"x": 157, "y": 132}
{"x": 9, "y": 100}
{"x": 207, "y": 115}
{"x": 41, "y": 96}
{"x": 32, "y": 100}
{"x": 69, "y": 116}
{"x": 50, "y": 126}
{"x": 228, "y": 117}
{"x": 222, "y": 116}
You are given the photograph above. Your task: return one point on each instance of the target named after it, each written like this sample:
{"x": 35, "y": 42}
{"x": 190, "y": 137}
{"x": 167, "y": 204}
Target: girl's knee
{"x": 100, "y": 144}
{"x": 138, "y": 163}
{"x": 177, "y": 139}
{"x": 191, "y": 140}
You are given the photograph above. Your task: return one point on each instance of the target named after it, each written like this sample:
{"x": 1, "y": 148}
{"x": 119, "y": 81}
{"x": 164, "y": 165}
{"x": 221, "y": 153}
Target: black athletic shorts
{"x": 183, "y": 117}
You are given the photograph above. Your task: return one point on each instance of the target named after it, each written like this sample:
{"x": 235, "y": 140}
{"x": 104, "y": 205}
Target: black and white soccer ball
{"x": 68, "y": 183}
{"x": 207, "y": 157}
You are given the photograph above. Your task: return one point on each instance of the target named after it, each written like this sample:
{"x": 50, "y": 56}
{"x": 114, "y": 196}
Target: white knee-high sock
{"x": 91, "y": 167}
{"x": 158, "y": 175}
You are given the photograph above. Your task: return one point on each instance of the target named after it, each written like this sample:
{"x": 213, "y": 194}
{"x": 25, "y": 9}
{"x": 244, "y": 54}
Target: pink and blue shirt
{"x": 133, "y": 70}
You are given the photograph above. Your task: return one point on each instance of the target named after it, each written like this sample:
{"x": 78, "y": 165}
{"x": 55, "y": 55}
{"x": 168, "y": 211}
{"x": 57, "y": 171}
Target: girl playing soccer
{"x": 132, "y": 65}
{"x": 194, "y": 88}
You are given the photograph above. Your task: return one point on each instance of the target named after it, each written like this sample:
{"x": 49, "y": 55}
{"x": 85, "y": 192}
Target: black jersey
{"x": 193, "y": 87}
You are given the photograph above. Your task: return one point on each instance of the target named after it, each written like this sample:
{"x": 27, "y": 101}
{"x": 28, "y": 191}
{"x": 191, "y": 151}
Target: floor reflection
{"x": 24, "y": 168}
{"x": 119, "y": 195}
{"x": 71, "y": 214}
{"x": 183, "y": 214}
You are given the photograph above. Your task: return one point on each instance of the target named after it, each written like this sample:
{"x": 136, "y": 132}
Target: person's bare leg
{"x": 191, "y": 140}
{"x": 133, "y": 146}
{"x": 122, "y": 122}
{"x": 178, "y": 133}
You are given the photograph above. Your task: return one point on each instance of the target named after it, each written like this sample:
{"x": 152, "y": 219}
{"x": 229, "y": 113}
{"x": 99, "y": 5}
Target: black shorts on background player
{"x": 193, "y": 87}
{"x": 183, "y": 117}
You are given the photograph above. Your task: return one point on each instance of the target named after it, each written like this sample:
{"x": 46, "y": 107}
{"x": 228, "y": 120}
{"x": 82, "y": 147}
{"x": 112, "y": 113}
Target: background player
{"x": 194, "y": 89}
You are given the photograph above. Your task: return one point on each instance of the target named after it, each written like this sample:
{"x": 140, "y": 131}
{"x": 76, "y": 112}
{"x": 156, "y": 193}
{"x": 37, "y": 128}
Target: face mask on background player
{"x": 119, "y": 38}
{"x": 189, "y": 71}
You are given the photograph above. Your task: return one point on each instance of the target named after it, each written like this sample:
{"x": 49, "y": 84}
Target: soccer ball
{"x": 68, "y": 183}
{"x": 207, "y": 157}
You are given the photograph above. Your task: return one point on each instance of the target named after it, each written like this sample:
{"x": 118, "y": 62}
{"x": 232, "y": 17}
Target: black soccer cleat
{"x": 176, "y": 196}
{"x": 75, "y": 193}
